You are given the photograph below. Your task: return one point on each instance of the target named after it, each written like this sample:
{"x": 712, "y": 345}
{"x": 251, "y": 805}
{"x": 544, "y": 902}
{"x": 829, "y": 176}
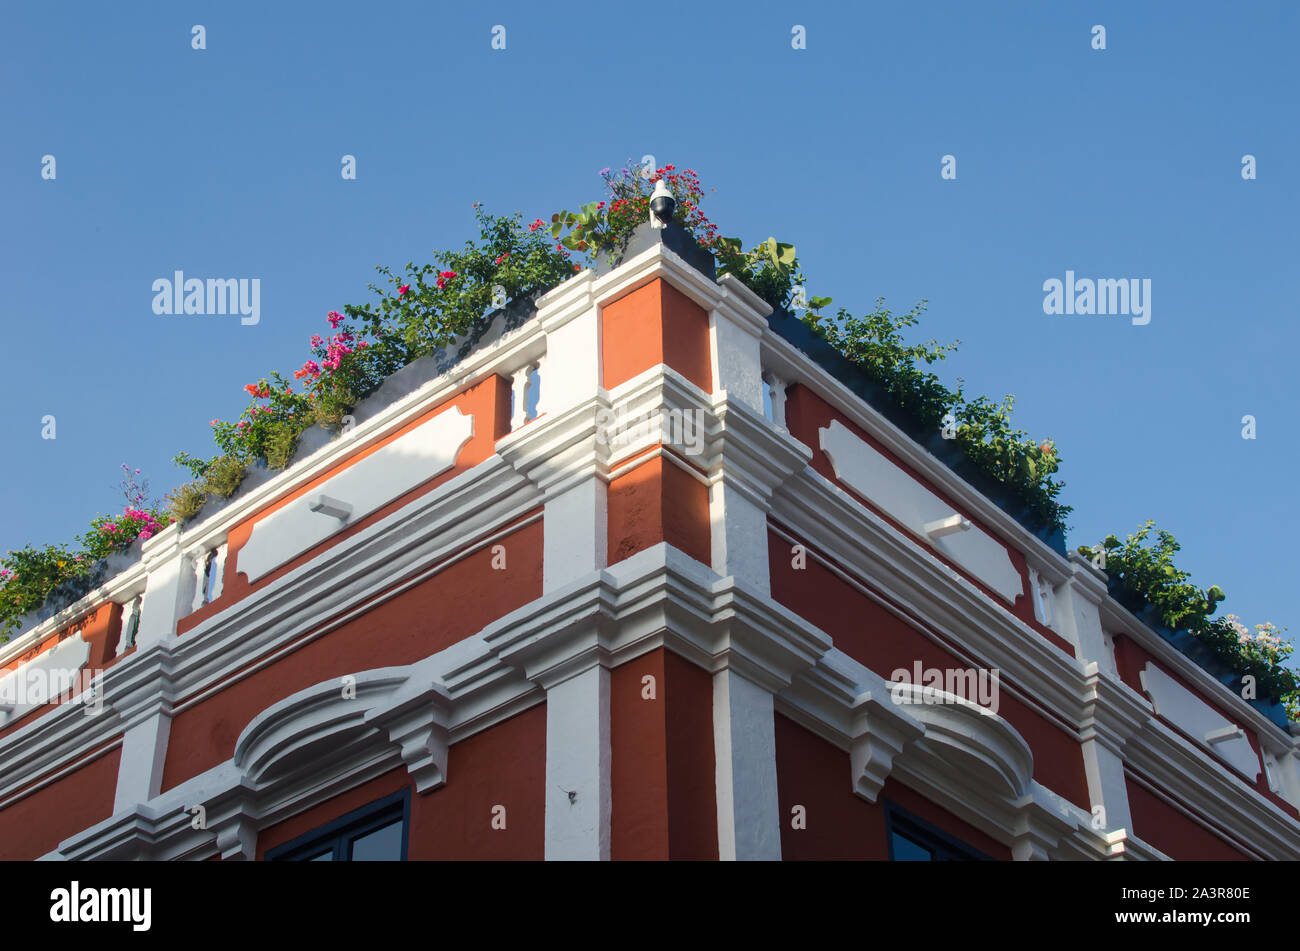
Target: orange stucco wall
{"x": 662, "y": 768}
{"x": 1131, "y": 658}
{"x": 654, "y": 324}
{"x": 101, "y": 628}
{"x": 654, "y": 502}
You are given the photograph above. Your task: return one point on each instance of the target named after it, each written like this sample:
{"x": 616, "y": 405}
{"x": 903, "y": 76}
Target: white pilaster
{"x": 1078, "y": 614}
{"x": 1104, "y": 769}
{"x": 578, "y": 788}
{"x": 739, "y": 536}
{"x": 736, "y": 326}
{"x": 140, "y": 770}
{"x": 575, "y": 529}
{"x": 744, "y": 752}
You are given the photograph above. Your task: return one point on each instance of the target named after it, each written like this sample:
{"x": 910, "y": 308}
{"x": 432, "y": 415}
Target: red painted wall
{"x": 37, "y": 823}
{"x": 876, "y": 638}
{"x": 455, "y": 603}
{"x": 101, "y": 628}
{"x": 504, "y": 765}
{"x": 840, "y": 825}
{"x": 1173, "y": 833}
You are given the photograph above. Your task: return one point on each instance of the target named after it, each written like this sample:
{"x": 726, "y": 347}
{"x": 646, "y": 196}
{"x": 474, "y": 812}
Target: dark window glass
{"x": 373, "y": 833}
{"x": 905, "y": 850}
{"x": 380, "y": 845}
{"x": 912, "y": 839}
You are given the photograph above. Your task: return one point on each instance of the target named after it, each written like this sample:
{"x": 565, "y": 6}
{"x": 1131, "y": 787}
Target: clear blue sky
{"x": 1122, "y": 163}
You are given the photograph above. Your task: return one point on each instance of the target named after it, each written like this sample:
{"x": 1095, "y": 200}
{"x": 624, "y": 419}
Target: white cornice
{"x": 796, "y": 366}
{"x": 1117, "y": 619}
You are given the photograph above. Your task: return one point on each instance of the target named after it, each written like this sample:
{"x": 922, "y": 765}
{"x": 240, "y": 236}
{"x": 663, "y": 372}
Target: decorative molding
{"x": 874, "y": 477}
{"x": 366, "y": 485}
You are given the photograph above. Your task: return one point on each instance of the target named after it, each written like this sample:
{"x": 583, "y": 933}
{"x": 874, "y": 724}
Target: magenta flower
{"x": 335, "y": 318}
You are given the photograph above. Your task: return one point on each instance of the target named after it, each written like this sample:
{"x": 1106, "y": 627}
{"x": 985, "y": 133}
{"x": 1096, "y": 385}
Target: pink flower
{"x": 536, "y": 224}
{"x": 335, "y": 318}
{"x": 403, "y": 289}
{"x": 316, "y": 340}
{"x": 146, "y": 534}
{"x": 309, "y": 368}
{"x": 243, "y": 424}
{"x": 447, "y": 274}
{"x": 214, "y": 422}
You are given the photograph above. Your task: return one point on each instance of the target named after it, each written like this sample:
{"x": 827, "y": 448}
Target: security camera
{"x": 662, "y": 205}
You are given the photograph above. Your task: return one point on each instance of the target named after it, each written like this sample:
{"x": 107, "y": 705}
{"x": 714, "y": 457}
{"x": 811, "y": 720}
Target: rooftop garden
{"x": 418, "y": 310}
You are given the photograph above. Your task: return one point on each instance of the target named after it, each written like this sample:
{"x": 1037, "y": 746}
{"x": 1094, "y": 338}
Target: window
{"x": 912, "y": 839}
{"x": 373, "y": 833}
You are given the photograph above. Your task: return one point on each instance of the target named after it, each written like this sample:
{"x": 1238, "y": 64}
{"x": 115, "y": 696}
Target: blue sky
{"x": 1122, "y": 163}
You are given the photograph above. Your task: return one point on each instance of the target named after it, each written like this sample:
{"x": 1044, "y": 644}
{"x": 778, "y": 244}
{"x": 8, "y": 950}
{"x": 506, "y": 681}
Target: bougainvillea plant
{"x": 30, "y": 575}
{"x": 1142, "y": 567}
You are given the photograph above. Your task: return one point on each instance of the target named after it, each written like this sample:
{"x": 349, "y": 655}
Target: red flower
{"x": 403, "y": 289}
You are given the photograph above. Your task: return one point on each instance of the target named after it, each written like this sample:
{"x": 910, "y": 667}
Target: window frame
{"x": 943, "y": 846}
{"x": 340, "y": 833}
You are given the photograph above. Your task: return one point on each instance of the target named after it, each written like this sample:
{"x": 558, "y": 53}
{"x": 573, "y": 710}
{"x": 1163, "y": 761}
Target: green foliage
{"x": 422, "y": 308}
{"x": 980, "y": 426}
{"x": 186, "y": 500}
{"x": 224, "y": 473}
{"x": 429, "y": 306}
{"x": 280, "y": 444}
{"x": 1143, "y": 568}
{"x": 605, "y": 226}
